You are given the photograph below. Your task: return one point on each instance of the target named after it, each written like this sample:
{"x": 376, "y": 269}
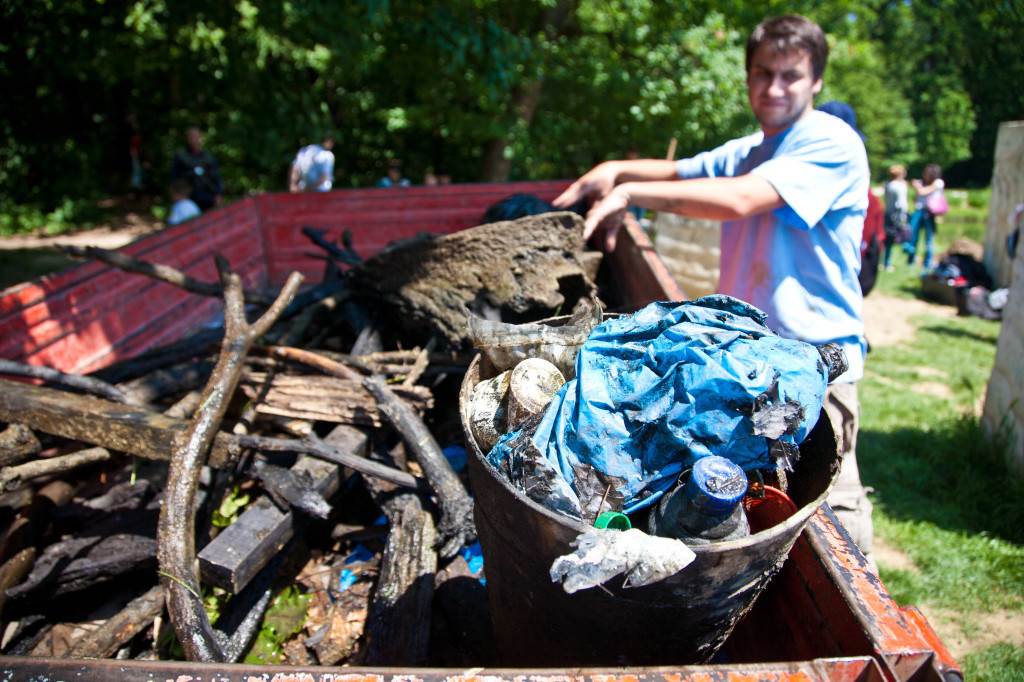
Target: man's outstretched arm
{"x": 599, "y": 181}
{"x": 727, "y": 198}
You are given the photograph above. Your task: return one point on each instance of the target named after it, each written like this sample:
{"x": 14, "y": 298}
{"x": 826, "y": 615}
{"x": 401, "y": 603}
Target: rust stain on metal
{"x": 903, "y": 643}
{"x": 614, "y": 678}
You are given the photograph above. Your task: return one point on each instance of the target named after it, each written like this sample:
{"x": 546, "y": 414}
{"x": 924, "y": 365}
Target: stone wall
{"x": 690, "y": 250}
{"x": 1004, "y": 402}
{"x": 1007, "y": 192}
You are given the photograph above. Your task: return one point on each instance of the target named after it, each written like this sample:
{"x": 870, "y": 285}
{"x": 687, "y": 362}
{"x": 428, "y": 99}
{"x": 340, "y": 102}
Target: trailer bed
{"x": 825, "y": 616}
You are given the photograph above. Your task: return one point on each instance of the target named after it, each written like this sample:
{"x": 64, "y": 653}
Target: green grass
{"x": 998, "y": 663}
{"x": 943, "y": 494}
{"x": 69, "y": 215}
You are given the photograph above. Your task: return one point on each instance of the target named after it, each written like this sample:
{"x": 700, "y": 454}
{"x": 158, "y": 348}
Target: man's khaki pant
{"x": 848, "y": 498}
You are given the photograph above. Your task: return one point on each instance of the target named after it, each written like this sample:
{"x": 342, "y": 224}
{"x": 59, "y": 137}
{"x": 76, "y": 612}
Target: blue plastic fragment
{"x": 457, "y": 457}
{"x": 346, "y": 579}
{"x": 474, "y": 557}
{"x": 657, "y": 390}
{"x": 358, "y": 554}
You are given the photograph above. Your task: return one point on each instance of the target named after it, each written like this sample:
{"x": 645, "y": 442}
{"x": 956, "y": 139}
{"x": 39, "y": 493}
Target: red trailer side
{"x": 826, "y": 615}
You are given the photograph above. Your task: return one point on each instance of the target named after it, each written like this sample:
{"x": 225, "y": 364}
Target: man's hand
{"x": 596, "y": 184}
{"x": 606, "y": 216}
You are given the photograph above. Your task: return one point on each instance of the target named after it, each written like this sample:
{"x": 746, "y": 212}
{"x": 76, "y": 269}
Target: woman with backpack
{"x": 895, "y": 212}
{"x": 931, "y": 202}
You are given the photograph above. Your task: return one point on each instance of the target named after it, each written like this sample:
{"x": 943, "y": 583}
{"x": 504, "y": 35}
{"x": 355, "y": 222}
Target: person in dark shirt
{"x": 199, "y": 169}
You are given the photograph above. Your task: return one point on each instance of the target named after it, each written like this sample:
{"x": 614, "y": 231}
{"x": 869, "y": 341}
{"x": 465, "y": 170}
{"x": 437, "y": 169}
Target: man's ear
{"x": 816, "y": 88}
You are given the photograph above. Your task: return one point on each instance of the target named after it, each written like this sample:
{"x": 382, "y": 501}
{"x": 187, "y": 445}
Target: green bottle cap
{"x": 613, "y": 520}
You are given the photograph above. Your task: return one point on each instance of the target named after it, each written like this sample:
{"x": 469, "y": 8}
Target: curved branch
{"x": 157, "y": 271}
{"x": 176, "y": 551}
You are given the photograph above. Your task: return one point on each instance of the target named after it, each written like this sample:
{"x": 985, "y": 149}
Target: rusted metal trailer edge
{"x": 902, "y": 640}
{"x": 859, "y": 669}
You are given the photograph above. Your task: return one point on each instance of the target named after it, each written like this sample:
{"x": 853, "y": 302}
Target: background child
{"x": 182, "y": 208}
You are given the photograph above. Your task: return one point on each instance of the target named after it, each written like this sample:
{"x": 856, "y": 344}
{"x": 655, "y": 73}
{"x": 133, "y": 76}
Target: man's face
{"x": 194, "y": 139}
{"x": 781, "y": 87}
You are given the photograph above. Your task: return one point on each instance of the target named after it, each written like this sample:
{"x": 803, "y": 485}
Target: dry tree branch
{"x": 176, "y": 552}
{"x": 163, "y": 273}
{"x": 317, "y": 361}
{"x": 456, "y": 527}
{"x": 53, "y": 376}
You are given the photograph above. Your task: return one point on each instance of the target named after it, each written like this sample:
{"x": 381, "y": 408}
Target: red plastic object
{"x": 765, "y": 512}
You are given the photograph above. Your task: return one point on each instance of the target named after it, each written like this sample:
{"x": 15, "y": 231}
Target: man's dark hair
{"x": 931, "y": 173}
{"x": 791, "y": 32}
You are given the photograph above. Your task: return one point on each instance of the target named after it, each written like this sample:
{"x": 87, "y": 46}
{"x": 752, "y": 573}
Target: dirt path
{"x": 28, "y": 256}
{"x": 108, "y": 236}
{"x": 887, "y": 319}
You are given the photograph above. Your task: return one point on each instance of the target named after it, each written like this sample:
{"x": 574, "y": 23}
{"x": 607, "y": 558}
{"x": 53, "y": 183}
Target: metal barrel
{"x": 682, "y": 619}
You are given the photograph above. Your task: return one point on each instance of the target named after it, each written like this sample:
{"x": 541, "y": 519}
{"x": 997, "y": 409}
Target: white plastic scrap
{"x": 603, "y": 554}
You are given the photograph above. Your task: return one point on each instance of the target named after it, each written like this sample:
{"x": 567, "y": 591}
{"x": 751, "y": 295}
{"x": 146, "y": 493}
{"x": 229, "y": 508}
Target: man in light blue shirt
{"x": 313, "y": 168}
{"x": 792, "y": 200}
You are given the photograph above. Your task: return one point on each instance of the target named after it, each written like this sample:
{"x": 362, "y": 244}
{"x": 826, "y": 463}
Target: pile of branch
{"x": 189, "y": 478}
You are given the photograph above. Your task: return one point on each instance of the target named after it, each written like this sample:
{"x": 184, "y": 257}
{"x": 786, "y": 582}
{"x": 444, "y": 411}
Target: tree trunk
{"x": 524, "y": 97}
{"x": 496, "y": 164}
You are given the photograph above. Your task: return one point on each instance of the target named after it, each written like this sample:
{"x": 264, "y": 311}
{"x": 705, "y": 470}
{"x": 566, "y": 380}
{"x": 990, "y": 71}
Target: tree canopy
{"x": 478, "y": 89}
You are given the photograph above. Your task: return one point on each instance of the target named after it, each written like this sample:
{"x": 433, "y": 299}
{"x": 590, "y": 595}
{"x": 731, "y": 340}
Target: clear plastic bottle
{"x": 706, "y": 508}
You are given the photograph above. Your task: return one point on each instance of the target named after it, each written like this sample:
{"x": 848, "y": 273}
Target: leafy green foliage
{"x": 473, "y": 88}
{"x": 857, "y": 74}
{"x": 230, "y": 508}
{"x": 283, "y": 619}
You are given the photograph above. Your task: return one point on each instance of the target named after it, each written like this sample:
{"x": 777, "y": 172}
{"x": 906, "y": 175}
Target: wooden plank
{"x": 239, "y": 552}
{"x": 100, "y": 422}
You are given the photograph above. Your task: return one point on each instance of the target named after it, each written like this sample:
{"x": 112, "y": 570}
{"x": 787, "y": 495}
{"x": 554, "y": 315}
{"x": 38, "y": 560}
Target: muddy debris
{"x": 287, "y": 488}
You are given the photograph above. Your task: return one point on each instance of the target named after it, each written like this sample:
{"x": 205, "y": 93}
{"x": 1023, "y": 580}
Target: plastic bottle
{"x": 706, "y": 508}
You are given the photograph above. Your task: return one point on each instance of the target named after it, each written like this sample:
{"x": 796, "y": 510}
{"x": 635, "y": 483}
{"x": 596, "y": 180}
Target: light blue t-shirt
{"x": 182, "y": 210}
{"x": 799, "y": 263}
{"x": 315, "y": 163}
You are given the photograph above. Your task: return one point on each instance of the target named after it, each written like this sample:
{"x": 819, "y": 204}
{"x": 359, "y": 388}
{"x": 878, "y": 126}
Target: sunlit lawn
{"x": 942, "y": 492}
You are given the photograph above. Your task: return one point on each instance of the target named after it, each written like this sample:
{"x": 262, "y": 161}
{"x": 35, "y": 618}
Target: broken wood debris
{"x": 326, "y": 398}
{"x": 124, "y": 428}
{"x": 398, "y": 620}
{"x": 290, "y": 428}
{"x": 243, "y": 548}
{"x": 456, "y": 527}
{"x": 17, "y": 442}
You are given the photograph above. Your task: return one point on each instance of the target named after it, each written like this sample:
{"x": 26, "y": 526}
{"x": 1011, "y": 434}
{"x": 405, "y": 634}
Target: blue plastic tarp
{"x": 659, "y": 389}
